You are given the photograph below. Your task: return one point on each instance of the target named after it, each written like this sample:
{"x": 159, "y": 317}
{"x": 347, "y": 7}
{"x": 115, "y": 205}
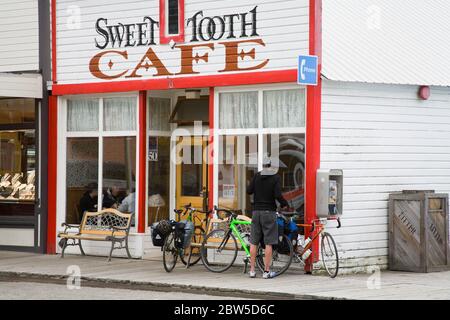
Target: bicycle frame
{"x": 315, "y": 234}
{"x": 236, "y": 232}
{"x": 317, "y": 228}
{"x": 192, "y": 216}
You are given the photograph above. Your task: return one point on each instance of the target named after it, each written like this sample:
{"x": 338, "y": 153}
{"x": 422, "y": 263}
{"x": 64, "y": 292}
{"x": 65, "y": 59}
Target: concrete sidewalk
{"x": 149, "y": 274}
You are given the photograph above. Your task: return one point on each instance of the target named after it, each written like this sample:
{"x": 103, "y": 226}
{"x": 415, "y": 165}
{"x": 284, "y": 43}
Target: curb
{"x": 157, "y": 286}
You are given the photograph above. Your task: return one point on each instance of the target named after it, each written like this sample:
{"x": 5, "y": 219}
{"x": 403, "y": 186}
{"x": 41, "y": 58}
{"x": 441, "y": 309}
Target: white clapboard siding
{"x": 384, "y": 139}
{"x": 19, "y": 35}
{"x": 282, "y": 25}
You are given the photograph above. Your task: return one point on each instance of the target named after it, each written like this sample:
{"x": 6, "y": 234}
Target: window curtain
{"x": 82, "y": 115}
{"x": 159, "y": 114}
{"x": 284, "y": 109}
{"x": 119, "y": 114}
{"x": 238, "y": 110}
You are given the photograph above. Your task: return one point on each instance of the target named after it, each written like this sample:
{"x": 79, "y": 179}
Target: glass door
{"x": 192, "y": 172}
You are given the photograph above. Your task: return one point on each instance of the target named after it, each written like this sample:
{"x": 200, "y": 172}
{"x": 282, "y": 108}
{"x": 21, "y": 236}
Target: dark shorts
{"x": 264, "y": 226}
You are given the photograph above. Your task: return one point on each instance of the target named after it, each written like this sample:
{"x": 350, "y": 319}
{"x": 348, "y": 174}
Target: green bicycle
{"x": 220, "y": 247}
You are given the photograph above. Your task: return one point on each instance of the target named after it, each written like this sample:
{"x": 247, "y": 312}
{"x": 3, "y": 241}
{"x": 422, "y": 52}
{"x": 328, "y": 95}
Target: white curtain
{"x": 82, "y": 115}
{"x": 284, "y": 108}
{"x": 119, "y": 114}
{"x": 159, "y": 110}
{"x": 238, "y": 110}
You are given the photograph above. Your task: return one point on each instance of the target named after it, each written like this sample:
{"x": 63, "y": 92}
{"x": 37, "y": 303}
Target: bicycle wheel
{"x": 170, "y": 252}
{"x": 219, "y": 250}
{"x": 329, "y": 254}
{"x": 193, "y": 250}
{"x": 281, "y": 257}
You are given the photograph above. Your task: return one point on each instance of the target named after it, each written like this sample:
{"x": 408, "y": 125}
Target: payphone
{"x": 329, "y": 192}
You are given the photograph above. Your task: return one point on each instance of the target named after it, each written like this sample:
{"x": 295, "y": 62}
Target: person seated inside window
{"x": 111, "y": 197}
{"x": 88, "y": 201}
{"x": 128, "y": 203}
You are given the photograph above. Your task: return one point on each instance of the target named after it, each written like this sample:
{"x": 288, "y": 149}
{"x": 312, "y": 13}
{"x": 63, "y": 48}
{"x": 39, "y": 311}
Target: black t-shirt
{"x": 109, "y": 200}
{"x": 87, "y": 203}
{"x": 266, "y": 188}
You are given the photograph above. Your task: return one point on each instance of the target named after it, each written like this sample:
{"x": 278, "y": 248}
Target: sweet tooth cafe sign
{"x": 236, "y": 34}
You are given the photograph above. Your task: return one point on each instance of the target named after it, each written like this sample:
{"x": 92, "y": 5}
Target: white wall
{"x": 16, "y": 237}
{"x": 385, "y": 139}
{"x": 282, "y": 25}
{"x": 21, "y": 85}
{"x": 19, "y": 35}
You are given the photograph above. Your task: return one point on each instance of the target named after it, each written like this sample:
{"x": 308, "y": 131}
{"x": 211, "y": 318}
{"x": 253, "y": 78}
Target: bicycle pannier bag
{"x": 179, "y": 234}
{"x": 157, "y": 237}
{"x": 188, "y": 232}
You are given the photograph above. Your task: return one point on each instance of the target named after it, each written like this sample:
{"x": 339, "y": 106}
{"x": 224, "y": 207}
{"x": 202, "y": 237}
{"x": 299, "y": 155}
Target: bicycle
{"x": 172, "y": 249}
{"x": 220, "y": 247}
{"x": 328, "y": 248}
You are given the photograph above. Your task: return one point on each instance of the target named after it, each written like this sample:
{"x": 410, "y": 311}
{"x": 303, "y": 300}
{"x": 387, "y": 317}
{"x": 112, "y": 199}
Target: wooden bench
{"x": 106, "y": 225}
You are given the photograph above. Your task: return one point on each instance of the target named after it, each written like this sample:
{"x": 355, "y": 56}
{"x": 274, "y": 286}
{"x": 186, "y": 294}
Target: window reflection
{"x": 81, "y": 177}
{"x": 119, "y": 173}
{"x": 287, "y": 153}
{"x": 17, "y": 157}
{"x": 237, "y": 164}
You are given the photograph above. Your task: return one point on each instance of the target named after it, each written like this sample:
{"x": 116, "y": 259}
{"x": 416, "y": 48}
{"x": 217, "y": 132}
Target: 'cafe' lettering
{"x": 115, "y": 40}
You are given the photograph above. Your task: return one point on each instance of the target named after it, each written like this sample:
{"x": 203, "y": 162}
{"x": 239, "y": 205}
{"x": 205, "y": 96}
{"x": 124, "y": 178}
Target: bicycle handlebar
{"x": 227, "y": 212}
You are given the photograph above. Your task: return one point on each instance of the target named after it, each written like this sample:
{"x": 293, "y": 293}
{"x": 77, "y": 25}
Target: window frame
{"x": 21, "y": 221}
{"x": 100, "y": 134}
{"x": 260, "y": 131}
{"x": 155, "y": 133}
{"x": 164, "y": 36}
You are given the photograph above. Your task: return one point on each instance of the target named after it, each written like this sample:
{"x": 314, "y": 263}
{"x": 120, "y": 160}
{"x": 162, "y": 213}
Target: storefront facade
{"x": 23, "y": 125}
{"x": 176, "y": 102}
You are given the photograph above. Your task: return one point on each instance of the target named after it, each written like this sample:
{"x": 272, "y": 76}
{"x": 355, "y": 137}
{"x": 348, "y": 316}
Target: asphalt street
{"x": 49, "y": 291}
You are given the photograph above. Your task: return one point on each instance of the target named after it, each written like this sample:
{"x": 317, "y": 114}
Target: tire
{"x": 197, "y": 237}
{"x": 280, "y": 261}
{"x": 329, "y": 255}
{"x": 213, "y": 248}
{"x": 170, "y": 252}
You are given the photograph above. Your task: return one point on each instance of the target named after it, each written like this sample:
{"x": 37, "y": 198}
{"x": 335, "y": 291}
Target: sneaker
{"x": 252, "y": 274}
{"x": 269, "y": 275}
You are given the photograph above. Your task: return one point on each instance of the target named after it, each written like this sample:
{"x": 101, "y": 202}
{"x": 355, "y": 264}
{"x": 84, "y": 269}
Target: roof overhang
{"x": 23, "y": 85}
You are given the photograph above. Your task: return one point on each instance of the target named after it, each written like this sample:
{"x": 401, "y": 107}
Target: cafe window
{"x": 17, "y": 157}
{"x": 171, "y": 21}
{"x": 172, "y": 16}
{"x": 159, "y": 131}
{"x": 100, "y": 155}
{"x": 255, "y": 124}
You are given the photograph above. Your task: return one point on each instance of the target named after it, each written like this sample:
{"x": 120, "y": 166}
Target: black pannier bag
{"x": 159, "y": 231}
{"x": 183, "y": 234}
{"x": 179, "y": 235}
{"x": 157, "y": 238}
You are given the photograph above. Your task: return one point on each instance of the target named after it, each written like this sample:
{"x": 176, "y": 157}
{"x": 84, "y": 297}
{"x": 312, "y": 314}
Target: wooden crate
{"x": 418, "y": 231}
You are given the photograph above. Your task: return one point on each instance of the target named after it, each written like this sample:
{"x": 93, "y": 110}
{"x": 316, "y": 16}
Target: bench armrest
{"x": 70, "y": 226}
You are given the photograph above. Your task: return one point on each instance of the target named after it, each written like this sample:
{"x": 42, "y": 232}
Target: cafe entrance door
{"x": 192, "y": 172}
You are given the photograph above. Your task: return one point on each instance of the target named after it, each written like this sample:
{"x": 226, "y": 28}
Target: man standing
{"x": 265, "y": 186}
